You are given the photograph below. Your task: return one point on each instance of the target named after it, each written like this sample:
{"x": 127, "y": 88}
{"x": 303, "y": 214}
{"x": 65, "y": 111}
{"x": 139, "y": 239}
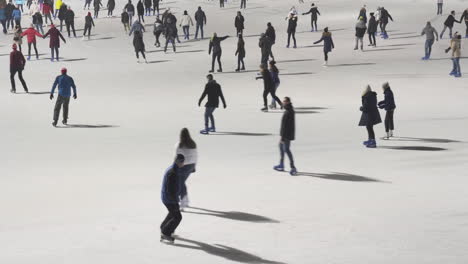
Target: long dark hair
{"x": 273, "y": 67}
{"x": 185, "y": 140}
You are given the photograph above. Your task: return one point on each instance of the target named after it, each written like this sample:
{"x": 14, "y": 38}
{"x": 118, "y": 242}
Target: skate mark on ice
{"x": 398, "y": 45}
{"x": 103, "y": 38}
{"x": 225, "y": 252}
{"x": 311, "y": 46}
{"x": 157, "y": 61}
{"x": 285, "y": 61}
{"x": 429, "y": 140}
{"x": 370, "y": 50}
{"x": 238, "y": 216}
{"x": 77, "y": 59}
{"x": 338, "y": 176}
{"x": 189, "y": 51}
{"x": 415, "y": 148}
{"x": 402, "y": 33}
{"x": 153, "y": 51}
{"x": 226, "y": 133}
{"x": 87, "y": 126}
{"x": 352, "y": 64}
{"x": 406, "y": 37}
{"x": 296, "y": 73}
{"x": 248, "y": 71}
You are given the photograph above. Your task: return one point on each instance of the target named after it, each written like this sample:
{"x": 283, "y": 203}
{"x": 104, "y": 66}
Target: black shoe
{"x": 54, "y": 124}
{"x": 237, "y": 70}
{"x": 64, "y": 122}
{"x": 243, "y": 68}
{"x": 167, "y": 239}
{"x": 211, "y": 71}
{"x": 220, "y": 70}
{"x": 26, "y": 90}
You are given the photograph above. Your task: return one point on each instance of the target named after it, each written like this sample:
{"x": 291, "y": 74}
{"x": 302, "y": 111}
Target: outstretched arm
{"x": 310, "y": 11}
{"x": 318, "y": 41}
{"x": 223, "y": 38}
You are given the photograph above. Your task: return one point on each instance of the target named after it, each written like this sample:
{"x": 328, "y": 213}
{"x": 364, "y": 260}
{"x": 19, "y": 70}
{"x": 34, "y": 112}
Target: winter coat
{"x": 31, "y": 34}
{"x": 130, "y": 8}
{"x": 464, "y": 16}
{"x": 9, "y": 10}
{"x": 97, "y": 5}
{"x": 275, "y": 78}
{"x": 271, "y": 34}
{"x": 360, "y": 29}
{"x": 372, "y": 26}
{"x": 69, "y": 17}
{"x": 215, "y": 44}
{"x": 214, "y": 92}
{"x": 327, "y": 42}
{"x": 170, "y": 31}
{"x": 111, "y": 4}
{"x": 138, "y": 43}
{"x": 16, "y": 15}
{"x": 314, "y": 12}
{"x": 384, "y": 16}
{"x": 186, "y": 20}
{"x": 55, "y": 37}
{"x": 17, "y": 61}
{"x": 240, "y": 48}
{"x": 2, "y": 14}
{"x": 170, "y": 189}
{"x": 17, "y": 38}
{"x": 169, "y": 19}
{"x": 89, "y": 21}
{"x": 430, "y": 31}
{"x": 292, "y": 24}
{"x": 140, "y": 8}
{"x": 450, "y": 21}
{"x": 200, "y": 17}
{"x": 124, "y": 17}
{"x": 46, "y": 8}
{"x": 37, "y": 19}
{"x": 239, "y": 22}
{"x": 268, "y": 84}
{"x": 455, "y": 45}
{"x": 158, "y": 27}
{"x": 137, "y": 26}
{"x": 190, "y": 154}
{"x": 288, "y": 123}
{"x": 65, "y": 85}
{"x": 370, "y": 112}
{"x": 148, "y": 3}
{"x": 58, "y": 4}
{"x": 265, "y": 45}
{"x": 389, "y": 101}
{"x": 62, "y": 12}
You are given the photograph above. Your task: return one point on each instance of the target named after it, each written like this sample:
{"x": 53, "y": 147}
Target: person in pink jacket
{"x": 31, "y": 34}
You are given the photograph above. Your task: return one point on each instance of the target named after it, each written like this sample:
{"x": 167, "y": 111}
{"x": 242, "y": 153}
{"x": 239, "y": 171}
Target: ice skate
{"x": 204, "y": 132}
{"x": 365, "y": 143}
{"x": 278, "y": 168}
{"x": 390, "y": 133}
{"x": 212, "y": 129}
{"x": 372, "y": 144}
{"x": 167, "y": 239}
{"x": 264, "y": 109}
{"x": 54, "y": 124}
{"x": 64, "y": 122}
{"x": 12, "y": 91}
{"x": 325, "y": 64}
{"x": 293, "y": 172}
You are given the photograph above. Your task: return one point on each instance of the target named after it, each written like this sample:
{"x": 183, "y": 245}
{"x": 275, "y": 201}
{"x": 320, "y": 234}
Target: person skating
{"x": 372, "y": 30}
{"x": 221, "y": 3}
{"x": 363, "y": 14}
{"x": 31, "y": 34}
{"x": 54, "y": 44}
{"x": 97, "y": 8}
{"x": 130, "y": 8}
{"x": 200, "y": 19}
{"x": 314, "y": 13}
{"x": 46, "y": 11}
{"x": 271, "y": 34}
{"x": 292, "y": 25}
{"x": 57, "y": 5}
{"x": 17, "y": 36}
{"x": 464, "y": 17}
{"x": 360, "y": 32}
{"x": 455, "y": 46}
{"x": 265, "y": 47}
{"x": 65, "y": 85}
{"x": 3, "y": 19}
{"x": 16, "y": 16}
{"x": 268, "y": 87}
{"x": 440, "y": 4}
{"x": 431, "y": 34}
{"x": 137, "y": 26}
{"x": 87, "y": 4}
{"x": 17, "y": 64}
{"x": 110, "y": 8}
{"x": 274, "y": 72}
{"x": 370, "y": 115}
{"x": 170, "y": 32}
{"x": 9, "y": 15}
{"x": 239, "y": 23}
{"x": 214, "y": 92}
{"x": 70, "y": 22}
{"x": 185, "y": 22}
{"x": 188, "y": 148}
{"x": 89, "y": 23}
{"x": 62, "y": 14}
{"x": 243, "y": 4}
{"x": 384, "y": 19}
{"x": 125, "y": 19}
{"x": 38, "y": 22}
{"x": 328, "y": 45}
{"x": 156, "y": 7}
{"x": 449, "y": 22}
{"x": 139, "y": 45}
{"x": 148, "y": 4}
{"x": 287, "y": 134}
{"x": 215, "y": 48}
{"x": 389, "y": 105}
{"x": 158, "y": 29}
{"x": 240, "y": 53}
{"x": 140, "y": 11}
{"x": 170, "y": 191}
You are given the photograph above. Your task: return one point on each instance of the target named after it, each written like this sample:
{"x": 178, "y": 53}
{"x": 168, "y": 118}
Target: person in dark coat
{"x": 38, "y": 22}
{"x": 158, "y": 29}
{"x": 139, "y": 45}
{"x": 271, "y": 34}
{"x": 464, "y": 17}
{"x": 97, "y": 7}
{"x": 360, "y": 32}
{"x": 17, "y": 63}
{"x": 9, "y": 15}
{"x": 170, "y": 196}
{"x": 215, "y": 46}
{"x": 54, "y": 44}
{"x": 62, "y": 15}
{"x": 110, "y": 8}
{"x": 89, "y": 23}
{"x": 148, "y": 4}
{"x": 389, "y": 105}
{"x": 372, "y": 30}
{"x": 239, "y": 23}
{"x": 314, "y": 13}
{"x": 170, "y": 32}
{"x": 274, "y": 72}
{"x": 125, "y": 19}
{"x": 65, "y": 85}
{"x": 200, "y": 20}
{"x": 141, "y": 11}
{"x": 130, "y": 8}
{"x": 221, "y": 3}
{"x": 243, "y": 4}
{"x": 265, "y": 47}
{"x": 370, "y": 115}
{"x": 214, "y": 92}
{"x": 363, "y": 14}
{"x": 292, "y": 25}
{"x": 240, "y": 53}
{"x": 288, "y": 134}
{"x": 328, "y": 45}
{"x": 268, "y": 87}
{"x": 384, "y": 17}
{"x": 449, "y": 22}
{"x": 156, "y": 7}
{"x": 70, "y": 21}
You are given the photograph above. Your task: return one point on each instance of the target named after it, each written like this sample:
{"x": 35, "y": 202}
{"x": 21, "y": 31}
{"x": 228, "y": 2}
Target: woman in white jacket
{"x": 185, "y": 22}
{"x": 188, "y": 148}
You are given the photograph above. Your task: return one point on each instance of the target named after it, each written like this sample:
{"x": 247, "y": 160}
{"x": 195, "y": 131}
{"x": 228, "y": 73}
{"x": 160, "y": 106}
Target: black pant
{"x": 48, "y": 17}
{"x": 264, "y": 59}
{"x": 389, "y": 121}
{"x": 141, "y": 18}
{"x": 56, "y": 50}
{"x": 9, "y": 23}
{"x": 325, "y": 54}
{"x": 466, "y": 23}
{"x": 216, "y": 56}
{"x": 61, "y": 101}
{"x": 87, "y": 29}
{"x": 239, "y": 31}
{"x": 61, "y": 25}
{"x": 314, "y": 23}
{"x": 293, "y": 35}
{"x": 3, "y": 22}
{"x": 157, "y": 35}
{"x": 155, "y": 7}
{"x": 285, "y": 147}
{"x": 243, "y": 4}
{"x": 20, "y": 76}
{"x": 172, "y": 40}
{"x": 142, "y": 54}
{"x": 199, "y": 26}
{"x": 96, "y": 13}
{"x": 71, "y": 25}
{"x": 221, "y": 3}
{"x": 88, "y": 3}
{"x": 370, "y": 131}
{"x": 273, "y": 95}
{"x": 372, "y": 38}
{"x": 35, "y": 49}
{"x": 240, "y": 60}
{"x": 439, "y": 8}
{"x": 172, "y": 220}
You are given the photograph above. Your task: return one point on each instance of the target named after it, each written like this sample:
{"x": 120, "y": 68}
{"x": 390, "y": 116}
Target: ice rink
{"x": 89, "y": 193}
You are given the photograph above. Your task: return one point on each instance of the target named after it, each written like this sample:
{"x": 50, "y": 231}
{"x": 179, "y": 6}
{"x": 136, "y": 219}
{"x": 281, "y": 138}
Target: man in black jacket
{"x": 156, "y": 7}
{"x": 372, "y": 30}
{"x": 449, "y": 24}
{"x": 313, "y": 17}
{"x": 70, "y": 21}
{"x": 200, "y": 19}
{"x": 239, "y": 23}
{"x": 214, "y": 92}
{"x": 268, "y": 87}
{"x": 271, "y": 34}
{"x": 215, "y": 46}
{"x": 265, "y": 46}
{"x": 287, "y": 133}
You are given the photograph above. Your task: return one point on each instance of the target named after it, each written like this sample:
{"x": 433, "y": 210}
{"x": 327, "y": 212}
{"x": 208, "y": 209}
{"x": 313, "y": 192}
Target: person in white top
{"x": 188, "y": 148}
{"x": 440, "y": 4}
{"x": 185, "y": 22}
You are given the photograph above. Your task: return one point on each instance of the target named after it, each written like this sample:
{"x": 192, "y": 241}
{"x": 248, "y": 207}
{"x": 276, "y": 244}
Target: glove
{"x": 51, "y": 96}
{"x": 74, "y": 96}
{"x": 447, "y": 50}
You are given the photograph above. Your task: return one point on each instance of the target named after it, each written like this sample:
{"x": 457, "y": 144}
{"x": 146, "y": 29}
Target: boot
{"x": 372, "y": 144}
{"x": 279, "y": 167}
{"x": 264, "y": 109}
{"x": 293, "y": 171}
{"x": 205, "y": 131}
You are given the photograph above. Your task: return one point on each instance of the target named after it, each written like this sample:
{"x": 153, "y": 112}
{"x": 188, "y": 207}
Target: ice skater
{"x": 449, "y": 22}
{"x": 455, "y": 46}
{"x": 200, "y": 19}
{"x": 372, "y": 30}
{"x": 170, "y": 32}
{"x": 268, "y": 87}
{"x": 239, "y": 23}
{"x": 31, "y": 34}
{"x": 314, "y": 13}
{"x": 97, "y": 8}
{"x": 70, "y": 22}
{"x": 46, "y": 11}
{"x": 139, "y": 45}
{"x": 61, "y": 15}
{"x": 384, "y": 19}
{"x": 65, "y": 84}
{"x": 110, "y": 8}
{"x": 370, "y": 115}
{"x": 440, "y": 4}
{"x": 54, "y": 43}
{"x": 431, "y": 34}
{"x": 215, "y": 48}
{"x": 287, "y": 133}
{"x": 240, "y": 53}
{"x": 360, "y": 32}
{"x": 214, "y": 92}
{"x": 274, "y": 72}
{"x": 16, "y": 16}
{"x": 158, "y": 29}
{"x": 265, "y": 48}
{"x": 328, "y": 44}
{"x": 188, "y": 148}
{"x": 130, "y": 8}
{"x": 3, "y": 19}
{"x": 389, "y": 105}
{"x": 185, "y": 22}
{"x": 243, "y": 4}
{"x": 148, "y": 4}
{"x": 464, "y": 17}
{"x": 363, "y": 14}
{"x": 156, "y": 7}
{"x": 89, "y": 23}
{"x": 125, "y": 19}
{"x": 271, "y": 34}
{"x": 17, "y": 36}
{"x": 170, "y": 197}
{"x": 38, "y": 22}
{"x": 17, "y": 64}
{"x": 140, "y": 11}
{"x": 292, "y": 25}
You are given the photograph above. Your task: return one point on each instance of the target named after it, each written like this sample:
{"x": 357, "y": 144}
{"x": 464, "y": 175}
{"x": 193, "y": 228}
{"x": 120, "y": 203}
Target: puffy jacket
{"x": 200, "y": 17}
{"x": 389, "y": 101}
{"x": 37, "y": 19}
{"x": 455, "y": 45}
{"x": 215, "y": 44}
{"x": 360, "y": 29}
{"x": 328, "y": 44}
{"x": 372, "y": 26}
{"x": 370, "y": 113}
{"x": 58, "y": 4}
{"x": 69, "y": 16}
{"x": 31, "y": 34}
{"x": 46, "y": 8}
{"x": 124, "y": 17}
{"x": 270, "y": 33}
{"x": 16, "y": 15}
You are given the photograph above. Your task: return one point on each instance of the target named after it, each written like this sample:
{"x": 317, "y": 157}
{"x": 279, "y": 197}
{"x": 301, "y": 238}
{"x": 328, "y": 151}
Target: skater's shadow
{"x": 225, "y": 133}
{"x": 238, "y": 216}
{"x": 77, "y": 59}
{"x": 399, "y": 45}
{"x": 338, "y": 176}
{"x": 429, "y": 140}
{"x": 189, "y": 51}
{"x": 447, "y": 58}
{"x": 415, "y": 148}
{"x": 352, "y": 64}
{"x": 249, "y": 71}
{"x": 88, "y": 126}
{"x": 157, "y": 61}
{"x": 103, "y": 38}
{"x": 297, "y": 112}
{"x": 310, "y": 46}
{"x": 406, "y": 37}
{"x": 225, "y": 252}
{"x": 251, "y": 36}
{"x": 284, "y": 61}
{"x": 154, "y": 51}
{"x": 310, "y": 108}
{"x": 39, "y": 93}
{"x": 296, "y": 73}
{"x": 372, "y": 50}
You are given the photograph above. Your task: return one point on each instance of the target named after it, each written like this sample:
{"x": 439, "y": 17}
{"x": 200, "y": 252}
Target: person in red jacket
{"x": 54, "y": 45}
{"x": 17, "y": 63}
{"x": 46, "y": 11}
{"x": 31, "y": 33}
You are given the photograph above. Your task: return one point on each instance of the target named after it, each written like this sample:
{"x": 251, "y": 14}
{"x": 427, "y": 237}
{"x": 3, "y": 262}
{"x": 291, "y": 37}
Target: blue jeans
{"x": 199, "y": 26}
{"x": 428, "y": 47}
{"x": 273, "y": 101}
{"x": 209, "y": 116}
{"x": 285, "y": 148}
{"x": 456, "y": 65}
{"x": 186, "y": 32}
{"x": 184, "y": 173}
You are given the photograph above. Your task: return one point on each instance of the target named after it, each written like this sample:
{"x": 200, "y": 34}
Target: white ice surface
{"x": 91, "y": 195}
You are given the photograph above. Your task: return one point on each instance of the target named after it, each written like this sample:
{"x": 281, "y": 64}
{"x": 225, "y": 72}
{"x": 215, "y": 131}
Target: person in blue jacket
{"x": 170, "y": 192}
{"x": 389, "y": 105}
{"x": 65, "y": 84}
{"x": 16, "y": 15}
{"x": 3, "y": 19}
{"x": 328, "y": 44}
